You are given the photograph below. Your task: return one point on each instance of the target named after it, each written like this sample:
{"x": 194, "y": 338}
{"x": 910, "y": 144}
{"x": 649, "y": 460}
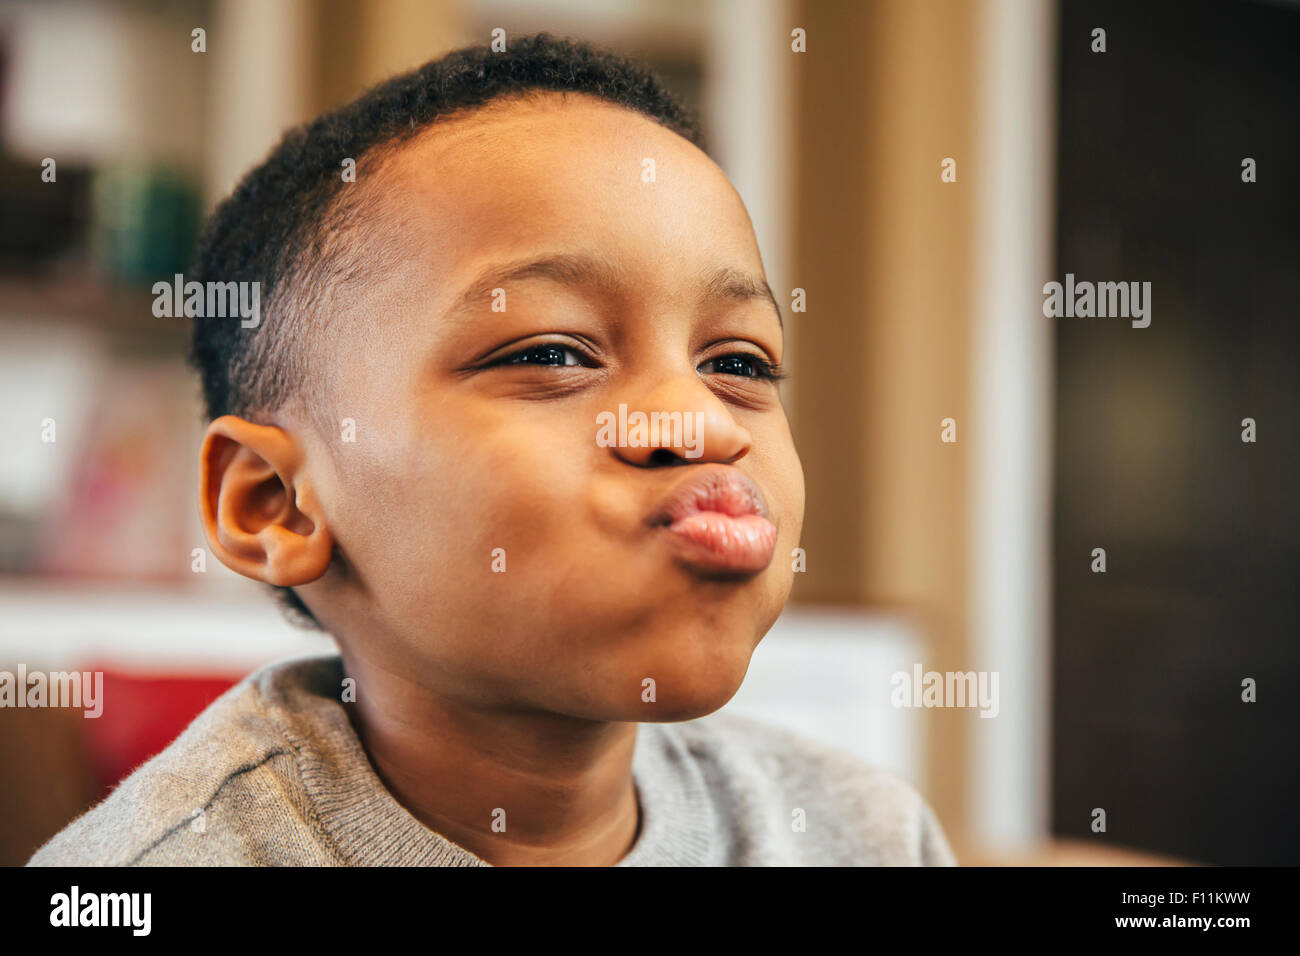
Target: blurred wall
{"x": 885, "y": 250}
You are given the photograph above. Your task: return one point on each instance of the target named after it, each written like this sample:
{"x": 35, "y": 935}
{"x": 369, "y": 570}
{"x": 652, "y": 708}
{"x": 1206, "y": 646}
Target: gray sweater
{"x": 272, "y": 773}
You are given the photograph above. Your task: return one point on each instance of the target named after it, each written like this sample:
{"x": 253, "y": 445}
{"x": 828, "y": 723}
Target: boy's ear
{"x": 259, "y": 511}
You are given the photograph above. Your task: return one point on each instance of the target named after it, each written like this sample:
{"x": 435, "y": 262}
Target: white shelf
{"x": 59, "y": 625}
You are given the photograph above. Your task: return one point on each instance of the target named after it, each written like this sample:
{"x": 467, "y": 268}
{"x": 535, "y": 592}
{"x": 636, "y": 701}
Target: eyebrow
{"x": 573, "y": 269}
{"x": 736, "y": 286}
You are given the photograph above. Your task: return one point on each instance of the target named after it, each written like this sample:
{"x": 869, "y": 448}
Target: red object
{"x": 142, "y": 714}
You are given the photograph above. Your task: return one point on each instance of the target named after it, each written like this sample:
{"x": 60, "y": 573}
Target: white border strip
{"x": 1012, "y": 405}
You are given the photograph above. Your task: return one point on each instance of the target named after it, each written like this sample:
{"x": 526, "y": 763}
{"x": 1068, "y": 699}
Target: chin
{"x": 683, "y": 710}
{"x": 691, "y": 684}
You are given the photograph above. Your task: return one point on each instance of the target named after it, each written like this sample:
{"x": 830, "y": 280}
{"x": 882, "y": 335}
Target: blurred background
{"x": 1118, "y": 690}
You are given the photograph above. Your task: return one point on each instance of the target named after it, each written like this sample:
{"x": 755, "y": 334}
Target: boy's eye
{"x": 745, "y": 365}
{"x": 548, "y": 354}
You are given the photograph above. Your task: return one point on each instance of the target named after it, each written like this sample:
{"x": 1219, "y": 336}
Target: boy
{"x": 434, "y": 444}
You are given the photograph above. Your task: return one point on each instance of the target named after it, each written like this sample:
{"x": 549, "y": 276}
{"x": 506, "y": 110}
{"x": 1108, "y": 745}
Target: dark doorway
{"x": 1201, "y": 530}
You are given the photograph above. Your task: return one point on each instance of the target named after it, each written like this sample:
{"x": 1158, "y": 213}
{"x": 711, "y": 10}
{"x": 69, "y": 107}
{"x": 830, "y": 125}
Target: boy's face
{"x": 459, "y": 451}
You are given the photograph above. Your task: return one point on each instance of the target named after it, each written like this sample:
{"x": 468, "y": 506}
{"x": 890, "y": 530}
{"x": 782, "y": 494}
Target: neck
{"x": 514, "y": 787}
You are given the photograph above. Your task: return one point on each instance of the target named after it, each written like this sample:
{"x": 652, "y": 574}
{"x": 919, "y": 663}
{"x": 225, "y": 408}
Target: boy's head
{"x": 412, "y": 438}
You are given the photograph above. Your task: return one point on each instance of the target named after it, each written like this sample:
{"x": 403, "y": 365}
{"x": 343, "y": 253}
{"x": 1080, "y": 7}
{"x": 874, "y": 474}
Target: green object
{"x": 145, "y": 222}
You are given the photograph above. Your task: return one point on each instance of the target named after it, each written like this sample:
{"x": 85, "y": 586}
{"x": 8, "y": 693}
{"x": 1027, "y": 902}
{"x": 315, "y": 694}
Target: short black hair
{"x": 283, "y": 225}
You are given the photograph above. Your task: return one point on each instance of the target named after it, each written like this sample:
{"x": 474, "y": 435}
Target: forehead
{"x": 558, "y": 173}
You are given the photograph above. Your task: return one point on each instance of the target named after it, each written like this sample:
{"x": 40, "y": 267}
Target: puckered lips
{"x": 716, "y": 520}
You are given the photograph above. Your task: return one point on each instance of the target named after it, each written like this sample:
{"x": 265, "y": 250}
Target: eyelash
{"x": 765, "y": 370}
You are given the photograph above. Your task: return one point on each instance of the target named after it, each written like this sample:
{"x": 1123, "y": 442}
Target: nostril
{"x": 662, "y": 456}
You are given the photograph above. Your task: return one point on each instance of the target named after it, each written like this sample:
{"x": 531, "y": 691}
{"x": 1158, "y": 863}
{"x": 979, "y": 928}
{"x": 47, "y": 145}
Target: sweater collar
{"x": 366, "y": 826}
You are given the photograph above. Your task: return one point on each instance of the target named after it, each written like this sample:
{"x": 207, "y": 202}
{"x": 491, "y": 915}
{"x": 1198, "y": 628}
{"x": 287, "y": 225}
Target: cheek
{"x": 787, "y": 484}
{"x": 783, "y": 474}
{"x": 456, "y": 497}
{"x": 799, "y": 497}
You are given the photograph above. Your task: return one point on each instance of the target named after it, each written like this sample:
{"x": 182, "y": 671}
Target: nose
{"x": 675, "y": 421}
